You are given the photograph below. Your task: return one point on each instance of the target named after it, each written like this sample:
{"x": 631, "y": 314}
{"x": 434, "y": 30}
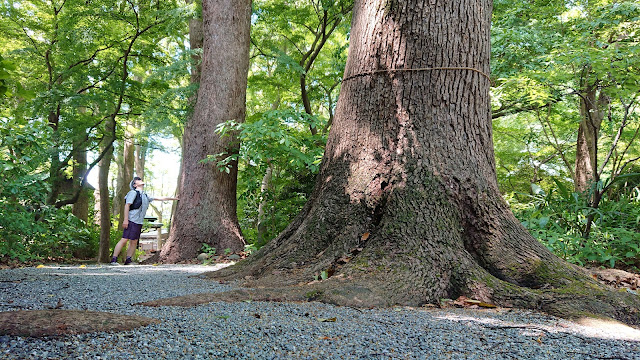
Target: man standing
{"x": 135, "y": 207}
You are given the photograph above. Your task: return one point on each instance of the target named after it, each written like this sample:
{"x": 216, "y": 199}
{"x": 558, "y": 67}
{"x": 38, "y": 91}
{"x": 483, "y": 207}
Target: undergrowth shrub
{"x": 558, "y": 219}
{"x": 47, "y": 232}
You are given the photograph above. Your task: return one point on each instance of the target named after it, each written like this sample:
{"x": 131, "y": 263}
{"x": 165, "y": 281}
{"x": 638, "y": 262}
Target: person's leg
{"x": 133, "y": 244}
{"x": 118, "y": 248}
{"x": 136, "y": 230}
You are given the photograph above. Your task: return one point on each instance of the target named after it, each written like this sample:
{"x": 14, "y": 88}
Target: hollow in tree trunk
{"x": 406, "y": 208}
{"x": 206, "y": 212}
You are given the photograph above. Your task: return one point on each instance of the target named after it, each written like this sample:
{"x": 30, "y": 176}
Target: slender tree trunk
{"x": 56, "y": 180}
{"x": 592, "y": 113}
{"x": 103, "y": 184}
{"x": 81, "y": 207}
{"x": 140, "y": 159}
{"x": 118, "y": 197}
{"x": 406, "y": 208}
{"x": 128, "y": 159}
{"x": 206, "y": 212}
{"x": 264, "y": 188}
{"x": 96, "y": 205}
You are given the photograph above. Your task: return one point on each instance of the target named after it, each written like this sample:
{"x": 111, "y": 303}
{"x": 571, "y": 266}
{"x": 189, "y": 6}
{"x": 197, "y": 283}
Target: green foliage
{"x": 274, "y": 141}
{"x": 91, "y": 61}
{"x": 38, "y": 234}
{"x": 276, "y": 137}
{"x": 208, "y": 249}
{"x": 558, "y": 219}
{"x": 29, "y": 229}
{"x": 250, "y": 248}
{"x": 547, "y": 56}
{"x": 82, "y": 63}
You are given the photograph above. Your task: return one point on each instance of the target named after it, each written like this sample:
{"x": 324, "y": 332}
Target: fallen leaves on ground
{"x": 617, "y": 278}
{"x": 465, "y": 302}
{"x": 327, "y": 338}
{"x": 327, "y": 319}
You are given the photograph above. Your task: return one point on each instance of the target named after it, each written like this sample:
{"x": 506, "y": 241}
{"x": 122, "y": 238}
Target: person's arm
{"x": 165, "y": 198}
{"x": 125, "y": 222}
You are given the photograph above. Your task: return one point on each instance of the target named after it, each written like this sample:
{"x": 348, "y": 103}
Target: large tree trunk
{"x": 196, "y": 38}
{"x": 406, "y": 208}
{"x": 206, "y": 212}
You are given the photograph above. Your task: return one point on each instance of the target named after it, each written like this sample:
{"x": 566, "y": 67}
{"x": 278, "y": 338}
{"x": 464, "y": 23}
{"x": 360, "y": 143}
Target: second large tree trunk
{"x": 206, "y": 212}
{"x": 406, "y": 208}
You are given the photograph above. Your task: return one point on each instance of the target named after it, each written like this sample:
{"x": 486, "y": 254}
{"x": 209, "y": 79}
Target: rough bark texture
{"x": 592, "y": 114}
{"x": 56, "y": 178}
{"x": 81, "y": 207}
{"x": 206, "y": 212}
{"x": 264, "y": 189}
{"x": 196, "y": 34}
{"x": 406, "y": 209}
{"x": 140, "y": 160}
{"x": 126, "y": 163}
{"x": 104, "y": 254}
{"x": 196, "y": 39}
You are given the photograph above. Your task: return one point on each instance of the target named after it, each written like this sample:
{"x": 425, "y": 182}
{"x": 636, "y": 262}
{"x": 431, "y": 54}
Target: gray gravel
{"x": 260, "y": 330}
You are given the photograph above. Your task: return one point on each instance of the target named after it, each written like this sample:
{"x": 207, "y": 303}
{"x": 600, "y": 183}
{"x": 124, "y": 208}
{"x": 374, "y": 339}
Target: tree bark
{"x": 206, "y": 212}
{"x": 196, "y": 38}
{"x": 140, "y": 159}
{"x": 125, "y": 175}
{"x": 118, "y": 181}
{"x": 103, "y": 185}
{"x": 592, "y": 105}
{"x": 56, "y": 179}
{"x": 81, "y": 207}
{"x": 262, "y": 219}
{"x": 406, "y": 208}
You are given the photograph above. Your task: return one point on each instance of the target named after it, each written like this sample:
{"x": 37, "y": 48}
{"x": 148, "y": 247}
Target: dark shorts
{"x": 132, "y": 232}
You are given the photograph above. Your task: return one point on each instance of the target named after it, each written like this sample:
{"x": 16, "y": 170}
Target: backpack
{"x": 137, "y": 202}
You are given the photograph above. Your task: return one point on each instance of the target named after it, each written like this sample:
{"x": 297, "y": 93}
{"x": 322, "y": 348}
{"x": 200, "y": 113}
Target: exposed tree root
{"x": 574, "y": 301}
{"x": 57, "y": 322}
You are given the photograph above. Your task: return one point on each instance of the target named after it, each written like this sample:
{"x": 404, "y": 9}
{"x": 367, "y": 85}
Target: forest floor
{"x": 91, "y": 311}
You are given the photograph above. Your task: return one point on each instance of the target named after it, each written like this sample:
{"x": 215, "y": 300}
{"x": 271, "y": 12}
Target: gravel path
{"x": 260, "y": 330}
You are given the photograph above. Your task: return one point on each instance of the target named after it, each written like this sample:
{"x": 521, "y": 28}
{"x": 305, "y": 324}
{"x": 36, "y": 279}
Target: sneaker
{"x": 114, "y": 263}
{"x": 128, "y": 261}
